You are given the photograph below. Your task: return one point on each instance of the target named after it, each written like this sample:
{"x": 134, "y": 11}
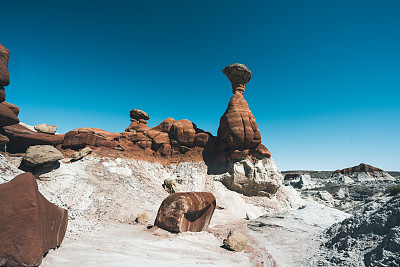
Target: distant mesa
{"x": 362, "y": 173}
{"x": 359, "y": 168}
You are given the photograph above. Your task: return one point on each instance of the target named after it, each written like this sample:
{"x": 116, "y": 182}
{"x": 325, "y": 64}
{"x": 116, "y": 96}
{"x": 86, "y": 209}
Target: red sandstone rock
{"x": 2, "y": 94}
{"x": 160, "y": 139}
{"x": 189, "y": 211}
{"x": 21, "y": 138}
{"x": 238, "y": 129}
{"x": 4, "y": 139}
{"x": 7, "y": 116}
{"x": 13, "y": 108}
{"x": 29, "y": 224}
{"x": 165, "y": 125}
{"x": 359, "y": 168}
{"x": 164, "y": 149}
{"x": 261, "y": 152}
{"x": 82, "y": 137}
{"x": 201, "y": 139}
{"x": 137, "y": 126}
{"x": 4, "y": 57}
{"x": 184, "y": 132}
{"x": 152, "y": 133}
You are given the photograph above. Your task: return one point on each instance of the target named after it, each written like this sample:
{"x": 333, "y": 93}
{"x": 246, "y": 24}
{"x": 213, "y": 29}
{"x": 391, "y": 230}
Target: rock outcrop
{"x": 7, "y": 116}
{"x": 21, "y": 138}
{"x": 82, "y": 137}
{"x": 4, "y": 76}
{"x": 30, "y": 225}
{"x": 371, "y": 238}
{"x": 188, "y": 211}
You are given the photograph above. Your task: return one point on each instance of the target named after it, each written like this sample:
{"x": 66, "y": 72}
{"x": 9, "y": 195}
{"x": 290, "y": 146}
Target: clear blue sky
{"x": 324, "y": 90}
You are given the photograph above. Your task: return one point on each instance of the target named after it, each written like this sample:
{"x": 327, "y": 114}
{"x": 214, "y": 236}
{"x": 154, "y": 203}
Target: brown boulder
{"x": 30, "y": 225}
{"x": 164, "y": 149}
{"x": 189, "y": 211}
{"x": 7, "y": 116}
{"x": 165, "y": 125}
{"x": 160, "y": 139}
{"x": 2, "y": 94}
{"x": 4, "y": 139}
{"x": 13, "y": 108}
{"x": 138, "y": 114}
{"x": 4, "y": 57}
{"x": 21, "y": 138}
{"x": 184, "y": 132}
{"x": 82, "y": 137}
{"x": 239, "y": 75}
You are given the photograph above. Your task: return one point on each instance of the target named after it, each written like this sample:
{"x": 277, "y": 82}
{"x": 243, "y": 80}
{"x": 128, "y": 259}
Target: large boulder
{"x": 82, "y": 137}
{"x": 30, "y": 225}
{"x": 21, "y": 138}
{"x": 41, "y": 154}
{"x": 45, "y": 128}
{"x": 235, "y": 241}
{"x": 261, "y": 177}
{"x": 184, "y": 132}
{"x": 138, "y": 114}
{"x": 4, "y": 57}
{"x": 7, "y": 116}
{"x": 188, "y": 211}
{"x": 238, "y": 129}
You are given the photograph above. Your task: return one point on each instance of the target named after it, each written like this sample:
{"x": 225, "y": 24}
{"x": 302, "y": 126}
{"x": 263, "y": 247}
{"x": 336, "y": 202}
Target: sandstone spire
{"x": 238, "y": 131}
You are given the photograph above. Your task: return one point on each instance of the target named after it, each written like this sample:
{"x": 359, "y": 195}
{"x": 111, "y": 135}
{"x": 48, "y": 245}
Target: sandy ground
{"x": 135, "y": 245}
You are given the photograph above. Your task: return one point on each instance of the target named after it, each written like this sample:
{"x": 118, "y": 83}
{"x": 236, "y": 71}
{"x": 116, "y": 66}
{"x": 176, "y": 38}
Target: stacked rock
{"x": 238, "y": 132}
{"x": 139, "y": 120}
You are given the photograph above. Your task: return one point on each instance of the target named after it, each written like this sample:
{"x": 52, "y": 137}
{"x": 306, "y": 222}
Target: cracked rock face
{"x": 260, "y": 178}
{"x": 371, "y": 238}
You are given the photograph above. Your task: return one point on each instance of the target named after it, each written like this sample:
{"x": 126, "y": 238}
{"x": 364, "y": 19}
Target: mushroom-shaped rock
{"x": 188, "y": 211}
{"x": 82, "y": 137}
{"x": 238, "y": 129}
{"x": 21, "y": 138}
{"x": 239, "y": 75}
{"x": 41, "y": 154}
{"x": 7, "y": 116}
{"x": 138, "y": 114}
{"x": 4, "y": 57}
{"x": 30, "y": 225}
{"x": 184, "y": 132}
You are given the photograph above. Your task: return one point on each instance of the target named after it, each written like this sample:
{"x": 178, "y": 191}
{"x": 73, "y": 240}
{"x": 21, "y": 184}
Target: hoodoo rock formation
{"x": 4, "y": 76}
{"x": 188, "y": 211}
{"x": 29, "y": 224}
{"x": 238, "y": 132}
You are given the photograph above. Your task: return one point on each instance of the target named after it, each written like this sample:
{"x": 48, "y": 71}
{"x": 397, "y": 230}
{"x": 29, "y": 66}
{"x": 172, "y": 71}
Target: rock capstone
{"x": 138, "y": 114}
{"x": 45, "y": 128}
